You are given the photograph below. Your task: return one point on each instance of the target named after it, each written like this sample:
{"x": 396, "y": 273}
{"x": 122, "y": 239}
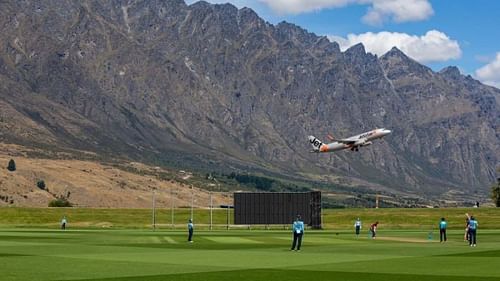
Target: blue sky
{"x": 437, "y": 33}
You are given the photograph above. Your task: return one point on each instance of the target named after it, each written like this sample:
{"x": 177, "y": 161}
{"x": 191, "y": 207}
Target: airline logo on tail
{"x": 318, "y": 146}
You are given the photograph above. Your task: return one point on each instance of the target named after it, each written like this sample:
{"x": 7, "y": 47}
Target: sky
{"x": 436, "y": 33}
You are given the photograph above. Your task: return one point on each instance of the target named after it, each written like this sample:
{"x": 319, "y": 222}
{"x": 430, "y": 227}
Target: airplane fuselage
{"x": 352, "y": 143}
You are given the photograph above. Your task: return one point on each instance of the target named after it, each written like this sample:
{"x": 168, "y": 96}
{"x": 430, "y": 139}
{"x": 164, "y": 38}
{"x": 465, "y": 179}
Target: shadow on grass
{"x": 293, "y": 275}
{"x": 494, "y": 253}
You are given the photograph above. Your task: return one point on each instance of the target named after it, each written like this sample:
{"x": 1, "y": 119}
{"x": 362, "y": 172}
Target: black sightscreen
{"x": 277, "y": 208}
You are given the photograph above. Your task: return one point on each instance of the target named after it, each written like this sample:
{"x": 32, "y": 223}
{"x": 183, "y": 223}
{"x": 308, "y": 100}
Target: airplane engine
{"x": 366, "y": 143}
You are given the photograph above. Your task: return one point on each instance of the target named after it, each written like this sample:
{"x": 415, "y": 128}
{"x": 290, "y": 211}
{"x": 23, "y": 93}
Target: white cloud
{"x": 398, "y": 11}
{"x": 490, "y": 73}
{"x": 431, "y": 47}
{"x": 305, "y": 6}
{"x": 378, "y": 10}
{"x": 238, "y": 3}
{"x": 483, "y": 58}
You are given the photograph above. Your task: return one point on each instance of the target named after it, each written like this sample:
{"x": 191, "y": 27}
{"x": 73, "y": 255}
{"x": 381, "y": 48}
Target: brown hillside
{"x": 91, "y": 184}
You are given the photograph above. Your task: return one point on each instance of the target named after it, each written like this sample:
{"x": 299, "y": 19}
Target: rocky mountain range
{"x": 213, "y": 87}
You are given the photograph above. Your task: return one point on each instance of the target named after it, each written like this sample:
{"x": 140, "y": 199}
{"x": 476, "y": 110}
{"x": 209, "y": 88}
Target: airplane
{"x": 353, "y": 143}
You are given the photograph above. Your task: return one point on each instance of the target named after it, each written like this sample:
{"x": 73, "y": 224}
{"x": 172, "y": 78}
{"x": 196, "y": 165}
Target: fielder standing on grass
{"x": 472, "y": 231}
{"x": 442, "y": 230}
{"x": 298, "y": 231}
{"x": 357, "y": 226}
{"x": 63, "y": 223}
{"x": 190, "y": 230}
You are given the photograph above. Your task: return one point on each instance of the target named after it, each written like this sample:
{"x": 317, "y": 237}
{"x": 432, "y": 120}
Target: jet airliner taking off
{"x": 353, "y": 143}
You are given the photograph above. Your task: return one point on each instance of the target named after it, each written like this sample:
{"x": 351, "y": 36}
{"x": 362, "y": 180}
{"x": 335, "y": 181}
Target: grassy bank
{"x": 342, "y": 219}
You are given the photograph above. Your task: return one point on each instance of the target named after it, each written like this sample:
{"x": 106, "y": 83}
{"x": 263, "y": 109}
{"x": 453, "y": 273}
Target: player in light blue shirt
{"x": 298, "y": 231}
{"x": 442, "y": 230}
{"x": 473, "y": 224}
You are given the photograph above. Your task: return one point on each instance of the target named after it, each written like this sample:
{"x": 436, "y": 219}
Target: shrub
{"x": 60, "y": 202}
{"x": 12, "y": 165}
{"x": 495, "y": 193}
{"x": 41, "y": 184}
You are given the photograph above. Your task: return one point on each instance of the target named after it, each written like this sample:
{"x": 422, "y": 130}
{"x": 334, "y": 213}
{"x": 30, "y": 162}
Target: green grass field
{"x": 33, "y": 248}
{"x": 41, "y": 254}
{"x": 119, "y": 244}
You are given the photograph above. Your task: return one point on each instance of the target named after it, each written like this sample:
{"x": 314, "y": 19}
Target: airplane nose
{"x": 387, "y": 132}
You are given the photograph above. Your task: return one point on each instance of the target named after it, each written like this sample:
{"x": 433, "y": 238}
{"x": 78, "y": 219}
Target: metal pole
{"x": 154, "y": 212}
{"x": 192, "y": 201}
{"x": 321, "y": 210}
{"x": 227, "y": 216}
{"x": 172, "y": 202}
{"x": 211, "y": 208}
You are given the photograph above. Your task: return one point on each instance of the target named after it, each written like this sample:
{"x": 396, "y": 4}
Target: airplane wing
{"x": 354, "y": 142}
{"x": 346, "y": 141}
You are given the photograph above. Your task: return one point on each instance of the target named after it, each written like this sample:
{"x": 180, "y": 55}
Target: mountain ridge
{"x": 230, "y": 90}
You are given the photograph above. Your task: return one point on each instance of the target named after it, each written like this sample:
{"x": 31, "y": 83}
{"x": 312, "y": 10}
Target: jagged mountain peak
{"x": 291, "y": 30}
{"x": 452, "y": 72}
{"x": 249, "y": 17}
{"x": 172, "y": 3}
{"x": 205, "y": 7}
{"x": 356, "y": 50}
{"x": 330, "y": 47}
{"x": 248, "y": 14}
{"x": 396, "y": 56}
{"x": 395, "y": 52}
{"x": 226, "y": 8}
{"x": 202, "y": 5}
{"x": 357, "y": 56}
{"x": 396, "y": 64}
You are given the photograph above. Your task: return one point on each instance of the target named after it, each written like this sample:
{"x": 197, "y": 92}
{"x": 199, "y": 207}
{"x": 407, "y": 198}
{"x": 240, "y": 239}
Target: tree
{"x": 41, "y": 184}
{"x": 60, "y": 202}
{"x": 495, "y": 193}
{"x": 12, "y": 165}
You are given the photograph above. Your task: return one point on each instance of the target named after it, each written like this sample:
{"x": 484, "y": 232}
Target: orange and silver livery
{"x": 353, "y": 143}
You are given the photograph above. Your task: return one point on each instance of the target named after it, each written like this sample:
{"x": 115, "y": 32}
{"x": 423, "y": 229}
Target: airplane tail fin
{"x": 316, "y": 144}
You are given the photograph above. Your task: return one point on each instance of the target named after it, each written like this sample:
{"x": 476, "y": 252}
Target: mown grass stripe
{"x": 170, "y": 240}
{"x": 232, "y": 240}
{"x": 292, "y": 275}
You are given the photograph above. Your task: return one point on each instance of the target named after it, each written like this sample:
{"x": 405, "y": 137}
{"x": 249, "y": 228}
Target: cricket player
{"x": 373, "y": 229}
{"x": 63, "y": 223}
{"x": 357, "y": 226}
{"x": 472, "y": 231}
{"x": 466, "y": 234}
{"x": 298, "y": 231}
{"x": 442, "y": 230}
{"x": 190, "y": 230}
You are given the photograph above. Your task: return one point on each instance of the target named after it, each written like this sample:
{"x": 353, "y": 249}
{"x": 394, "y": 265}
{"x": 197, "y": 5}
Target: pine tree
{"x": 495, "y": 193}
{"x": 12, "y": 165}
{"x": 41, "y": 184}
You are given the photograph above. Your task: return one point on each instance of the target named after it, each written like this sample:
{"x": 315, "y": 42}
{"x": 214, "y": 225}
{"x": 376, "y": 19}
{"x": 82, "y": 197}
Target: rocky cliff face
{"x": 221, "y": 87}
